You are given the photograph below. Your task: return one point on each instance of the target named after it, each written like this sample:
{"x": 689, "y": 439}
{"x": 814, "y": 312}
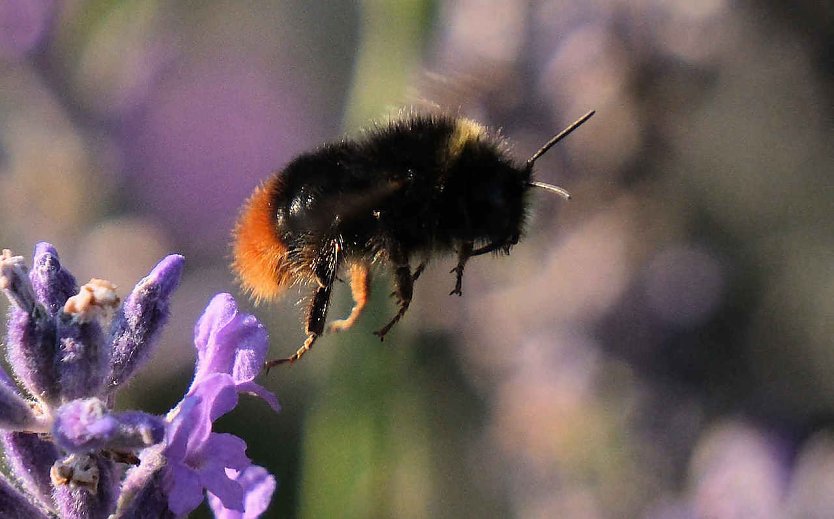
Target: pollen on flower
{"x": 92, "y": 300}
{"x": 8, "y": 255}
{"x": 76, "y": 470}
{"x": 14, "y": 280}
{"x": 9, "y": 261}
{"x": 38, "y": 409}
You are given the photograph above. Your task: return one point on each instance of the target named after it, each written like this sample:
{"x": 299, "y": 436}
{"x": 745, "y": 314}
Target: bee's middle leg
{"x": 360, "y": 288}
{"x": 464, "y": 254}
{"x": 403, "y": 290}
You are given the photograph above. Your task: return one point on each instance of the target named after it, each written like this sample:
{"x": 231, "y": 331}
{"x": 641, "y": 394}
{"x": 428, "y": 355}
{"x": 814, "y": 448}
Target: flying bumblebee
{"x": 416, "y": 187}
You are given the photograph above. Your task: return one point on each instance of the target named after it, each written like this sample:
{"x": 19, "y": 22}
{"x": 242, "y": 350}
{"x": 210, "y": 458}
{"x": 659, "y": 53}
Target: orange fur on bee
{"x": 259, "y": 254}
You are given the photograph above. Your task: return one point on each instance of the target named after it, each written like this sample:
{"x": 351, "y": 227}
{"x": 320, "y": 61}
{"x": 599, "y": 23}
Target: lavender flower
{"x": 258, "y": 485}
{"x": 70, "y": 350}
{"x": 231, "y": 348}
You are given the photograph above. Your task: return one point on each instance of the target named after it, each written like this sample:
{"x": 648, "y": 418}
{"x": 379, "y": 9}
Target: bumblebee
{"x": 416, "y": 187}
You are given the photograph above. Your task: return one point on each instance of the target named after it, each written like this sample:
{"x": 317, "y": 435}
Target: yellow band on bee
{"x": 466, "y": 131}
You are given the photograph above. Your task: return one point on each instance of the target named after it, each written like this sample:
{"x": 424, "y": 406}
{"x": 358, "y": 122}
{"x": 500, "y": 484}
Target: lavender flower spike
{"x": 142, "y": 316}
{"x": 53, "y": 284}
{"x": 31, "y": 339}
{"x": 70, "y": 367}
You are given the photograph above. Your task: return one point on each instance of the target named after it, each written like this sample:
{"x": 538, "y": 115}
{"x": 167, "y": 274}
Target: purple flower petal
{"x": 215, "y": 479}
{"x": 212, "y": 355}
{"x": 229, "y": 341}
{"x": 224, "y": 394}
{"x": 179, "y": 429}
{"x": 233, "y": 343}
{"x": 227, "y": 450}
{"x": 52, "y": 284}
{"x": 193, "y": 451}
{"x": 251, "y": 350}
{"x": 193, "y": 418}
{"x": 185, "y": 493}
{"x": 258, "y": 390}
{"x": 141, "y": 318}
{"x": 258, "y": 486}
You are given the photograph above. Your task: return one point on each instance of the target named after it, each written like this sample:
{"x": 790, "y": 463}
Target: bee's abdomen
{"x": 260, "y": 252}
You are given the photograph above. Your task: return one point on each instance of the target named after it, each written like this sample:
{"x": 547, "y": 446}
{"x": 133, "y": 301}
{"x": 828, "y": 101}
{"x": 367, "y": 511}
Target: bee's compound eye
{"x": 301, "y": 203}
{"x": 296, "y": 206}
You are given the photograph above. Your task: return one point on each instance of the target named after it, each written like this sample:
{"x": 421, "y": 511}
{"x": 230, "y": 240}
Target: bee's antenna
{"x": 564, "y": 133}
{"x": 550, "y": 187}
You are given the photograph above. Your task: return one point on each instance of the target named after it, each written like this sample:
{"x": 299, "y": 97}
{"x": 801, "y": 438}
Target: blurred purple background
{"x": 660, "y": 346}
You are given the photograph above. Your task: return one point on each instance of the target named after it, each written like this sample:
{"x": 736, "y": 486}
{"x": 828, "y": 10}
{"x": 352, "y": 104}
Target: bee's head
{"x": 486, "y": 189}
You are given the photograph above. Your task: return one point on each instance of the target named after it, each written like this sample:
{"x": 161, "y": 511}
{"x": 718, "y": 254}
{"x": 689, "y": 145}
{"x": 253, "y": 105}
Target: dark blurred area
{"x": 658, "y": 347}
